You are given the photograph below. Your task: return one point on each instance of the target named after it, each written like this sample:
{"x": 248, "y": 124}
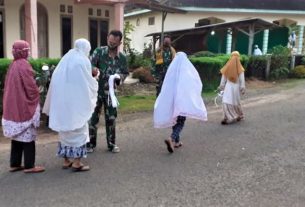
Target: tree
{"x": 128, "y": 28}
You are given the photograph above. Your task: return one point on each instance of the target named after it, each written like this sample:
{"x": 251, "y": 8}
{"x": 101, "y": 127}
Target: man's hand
{"x": 95, "y": 72}
{"x": 117, "y": 81}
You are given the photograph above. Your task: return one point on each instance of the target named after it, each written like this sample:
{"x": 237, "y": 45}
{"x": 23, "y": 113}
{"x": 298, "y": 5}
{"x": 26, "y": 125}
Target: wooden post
{"x": 164, "y": 14}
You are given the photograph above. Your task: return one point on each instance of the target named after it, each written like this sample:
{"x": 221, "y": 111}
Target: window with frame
{"x": 99, "y": 12}
{"x": 90, "y": 11}
{"x": 106, "y": 13}
{"x": 62, "y": 8}
{"x": 70, "y": 9}
{"x": 151, "y": 21}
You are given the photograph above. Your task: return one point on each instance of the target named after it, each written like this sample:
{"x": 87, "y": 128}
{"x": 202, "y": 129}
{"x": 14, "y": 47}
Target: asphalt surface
{"x": 258, "y": 162}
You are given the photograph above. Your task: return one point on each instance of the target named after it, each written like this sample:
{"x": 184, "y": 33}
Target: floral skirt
{"x": 22, "y": 131}
{"x": 232, "y": 113}
{"x": 71, "y": 152}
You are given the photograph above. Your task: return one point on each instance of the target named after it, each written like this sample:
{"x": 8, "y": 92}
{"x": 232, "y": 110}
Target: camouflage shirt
{"x": 108, "y": 66}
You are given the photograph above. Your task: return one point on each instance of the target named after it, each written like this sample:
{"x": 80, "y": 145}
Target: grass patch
{"x": 132, "y": 104}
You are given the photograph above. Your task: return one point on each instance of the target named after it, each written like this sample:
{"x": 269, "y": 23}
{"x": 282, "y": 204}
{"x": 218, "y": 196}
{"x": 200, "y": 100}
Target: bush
{"x": 136, "y": 60}
{"x": 257, "y": 67}
{"x": 303, "y": 60}
{"x": 36, "y": 64}
{"x": 4, "y": 64}
{"x": 143, "y": 74}
{"x": 279, "y": 62}
{"x": 279, "y": 73}
{"x": 204, "y": 54}
{"x": 298, "y": 71}
{"x": 209, "y": 69}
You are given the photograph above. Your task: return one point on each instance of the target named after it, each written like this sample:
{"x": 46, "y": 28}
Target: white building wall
{"x": 188, "y": 20}
{"x": 80, "y": 19}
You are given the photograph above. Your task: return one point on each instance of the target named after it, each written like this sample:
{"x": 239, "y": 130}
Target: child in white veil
{"x": 180, "y": 97}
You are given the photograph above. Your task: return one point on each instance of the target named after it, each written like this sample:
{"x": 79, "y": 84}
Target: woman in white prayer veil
{"x": 180, "y": 97}
{"x": 70, "y": 101}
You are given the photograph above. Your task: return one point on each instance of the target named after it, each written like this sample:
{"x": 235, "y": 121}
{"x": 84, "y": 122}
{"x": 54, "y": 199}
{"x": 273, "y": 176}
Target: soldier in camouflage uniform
{"x": 109, "y": 61}
{"x": 164, "y": 57}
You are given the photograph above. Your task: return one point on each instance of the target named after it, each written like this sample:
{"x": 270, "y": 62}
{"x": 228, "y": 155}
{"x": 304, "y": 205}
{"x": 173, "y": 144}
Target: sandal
{"x": 81, "y": 168}
{"x": 36, "y": 169}
{"x": 15, "y": 169}
{"x": 169, "y": 145}
{"x": 67, "y": 166}
{"x": 224, "y": 122}
{"x": 177, "y": 145}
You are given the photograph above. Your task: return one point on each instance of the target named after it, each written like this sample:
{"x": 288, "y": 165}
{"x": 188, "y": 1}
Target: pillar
{"x": 31, "y": 26}
{"x": 265, "y": 41}
{"x": 119, "y": 18}
{"x": 301, "y": 37}
{"x": 229, "y": 42}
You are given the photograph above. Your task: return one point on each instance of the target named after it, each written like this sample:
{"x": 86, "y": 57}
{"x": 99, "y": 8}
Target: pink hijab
{"x": 21, "y": 94}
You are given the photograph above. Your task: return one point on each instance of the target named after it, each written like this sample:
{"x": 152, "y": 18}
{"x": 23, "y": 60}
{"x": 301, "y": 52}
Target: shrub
{"x": 257, "y": 66}
{"x": 36, "y": 64}
{"x": 143, "y": 74}
{"x": 204, "y": 54}
{"x": 4, "y": 64}
{"x": 279, "y": 62}
{"x": 298, "y": 71}
{"x": 303, "y": 60}
{"x": 209, "y": 67}
{"x": 136, "y": 60}
{"x": 279, "y": 73}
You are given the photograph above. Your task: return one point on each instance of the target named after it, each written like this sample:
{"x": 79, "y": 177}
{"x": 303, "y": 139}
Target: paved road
{"x": 258, "y": 162}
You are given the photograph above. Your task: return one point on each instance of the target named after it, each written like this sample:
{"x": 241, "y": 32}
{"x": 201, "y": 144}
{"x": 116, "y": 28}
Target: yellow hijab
{"x": 233, "y": 68}
{"x": 159, "y": 55}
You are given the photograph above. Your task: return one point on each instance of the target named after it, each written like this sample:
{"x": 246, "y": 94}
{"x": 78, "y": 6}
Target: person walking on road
{"x": 233, "y": 84}
{"x": 180, "y": 97}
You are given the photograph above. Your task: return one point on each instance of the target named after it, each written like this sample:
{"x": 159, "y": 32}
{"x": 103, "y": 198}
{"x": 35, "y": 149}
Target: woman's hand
{"x": 243, "y": 91}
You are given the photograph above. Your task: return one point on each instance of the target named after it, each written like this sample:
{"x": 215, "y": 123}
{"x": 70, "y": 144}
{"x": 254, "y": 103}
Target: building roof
{"x": 241, "y": 24}
{"x": 242, "y": 4}
{"x": 152, "y": 5}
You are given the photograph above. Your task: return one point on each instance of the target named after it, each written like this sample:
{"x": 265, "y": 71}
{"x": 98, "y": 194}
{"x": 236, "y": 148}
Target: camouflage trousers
{"x": 160, "y": 79}
{"x": 110, "y": 114}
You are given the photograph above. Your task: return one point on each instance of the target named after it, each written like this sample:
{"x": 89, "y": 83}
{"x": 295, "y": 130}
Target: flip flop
{"x": 15, "y": 169}
{"x": 82, "y": 168}
{"x": 36, "y": 169}
{"x": 169, "y": 145}
{"x": 67, "y": 166}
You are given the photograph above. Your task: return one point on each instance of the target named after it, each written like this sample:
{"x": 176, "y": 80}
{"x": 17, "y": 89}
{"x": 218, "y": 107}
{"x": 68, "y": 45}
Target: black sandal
{"x": 81, "y": 168}
{"x": 169, "y": 145}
